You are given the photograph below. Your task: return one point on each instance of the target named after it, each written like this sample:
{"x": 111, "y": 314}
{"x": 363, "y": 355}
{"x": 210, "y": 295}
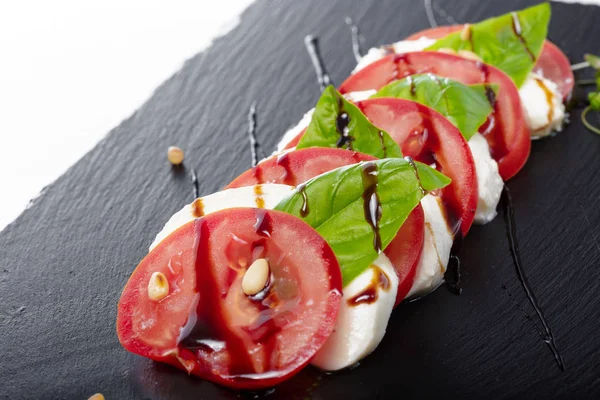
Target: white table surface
{"x": 72, "y": 70}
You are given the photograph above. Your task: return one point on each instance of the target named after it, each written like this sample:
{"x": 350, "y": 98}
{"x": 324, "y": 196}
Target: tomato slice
{"x": 506, "y": 130}
{"x": 298, "y": 166}
{"x": 552, "y": 64}
{"x": 427, "y": 136}
{"x": 207, "y": 325}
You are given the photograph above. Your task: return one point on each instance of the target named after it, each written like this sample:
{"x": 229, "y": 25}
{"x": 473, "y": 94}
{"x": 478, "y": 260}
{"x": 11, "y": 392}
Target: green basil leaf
{"x": 511, "y": 42}
{"x": 593, "y": 60}
{"x": 467, "y": 107}
{"x": 338, "y": 205}
{"x": 338, "y": 123}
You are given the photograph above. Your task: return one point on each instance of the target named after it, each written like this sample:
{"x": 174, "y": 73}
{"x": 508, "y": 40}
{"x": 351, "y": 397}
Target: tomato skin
{"x": 298, "y": 166}
{"x": 204, "y": 256}
{"x": 428, "y": 137}
{"x": 509, "y": 142}
{"x": 552, "y": 63}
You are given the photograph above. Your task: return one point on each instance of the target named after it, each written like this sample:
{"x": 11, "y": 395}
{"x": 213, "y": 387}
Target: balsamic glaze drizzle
{"x": 371, "y": 205}
{"x": 312, "y": 46}
{"x": 341, "y": 124}
{"x": 305, "y": 209}
{"x": 516, "y": 27}
{"x": 355, "y": 39}
{"x": 511, "y": 233}
{"x": 252, "y": 133}
{"x": 452, "y": 275}
{"x": 196, "y": 189}
{"x": 430, "y": 13}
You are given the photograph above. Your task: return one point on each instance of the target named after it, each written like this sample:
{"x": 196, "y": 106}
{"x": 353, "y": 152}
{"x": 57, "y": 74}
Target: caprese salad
{"x": 301, "y": 259}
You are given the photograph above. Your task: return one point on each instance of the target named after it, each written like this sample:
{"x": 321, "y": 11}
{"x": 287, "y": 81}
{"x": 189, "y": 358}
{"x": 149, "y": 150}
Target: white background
{"x": 72, "y": 70}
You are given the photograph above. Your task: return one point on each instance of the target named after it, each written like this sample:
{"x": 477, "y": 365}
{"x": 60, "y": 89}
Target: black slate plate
{"x": 64, "y": 262}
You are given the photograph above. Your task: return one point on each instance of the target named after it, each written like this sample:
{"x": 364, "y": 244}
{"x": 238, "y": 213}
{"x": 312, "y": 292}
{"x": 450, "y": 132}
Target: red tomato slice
{"x": 208, "y": 326}
{"x": 427, "y": 136}
{"x": 552, "y": 64}
{"x": 506, "y": 130}
{"x": 298, "y": 166}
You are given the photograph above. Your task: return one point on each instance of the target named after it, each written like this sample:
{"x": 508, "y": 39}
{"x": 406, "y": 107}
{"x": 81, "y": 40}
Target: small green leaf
{"x": 339, "y": 204}
{"x": 594, "y": 99}
{"x": 511, "y": 42}
{"x": 467, "y": 107}
{"x": 338, "y": 123}
{"x": 593, "y": 60}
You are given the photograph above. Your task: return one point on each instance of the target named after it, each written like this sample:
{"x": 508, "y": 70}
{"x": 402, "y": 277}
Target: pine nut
{"x": 447, "y": 50}
{"x": 256, "y": 277}
{"x": 465, "y": 34}
{"x": 158, "y": 286}
{"x": 97, "y": 396}
{"x": 175, "y": 155}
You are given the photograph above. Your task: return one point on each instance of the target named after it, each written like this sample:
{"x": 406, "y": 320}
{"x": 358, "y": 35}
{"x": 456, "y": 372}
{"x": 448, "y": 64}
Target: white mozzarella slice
{"x": 360, "y": 327}
{"x": 436, "y": 248}
{"x": 263, "y": 196}
{"x": 543, "y": 106}
{"x": 294, "y": 131}
{"x": 403, "y": 46}
{"x": 489, "y": 181}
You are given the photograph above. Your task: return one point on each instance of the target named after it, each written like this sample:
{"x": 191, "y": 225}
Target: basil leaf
{"x": 511, "y": 42}
{"x": 338, "y": 123}
{"x": 467, "y": 107}
{"x": 339, "y": 203}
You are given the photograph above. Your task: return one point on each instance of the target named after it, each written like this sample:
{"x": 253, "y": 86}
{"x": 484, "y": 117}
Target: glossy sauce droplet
{"x": 263, "y": 225}
{"x": 341, "y": 124}
{"x": 379, "y": 281}
{"x": 371, "y": 205}
{"x": 283, "y": 161}
{"x": 305, "y": 209}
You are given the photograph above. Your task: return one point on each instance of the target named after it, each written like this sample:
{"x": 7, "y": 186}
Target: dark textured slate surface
{"x": 64, "y": 262}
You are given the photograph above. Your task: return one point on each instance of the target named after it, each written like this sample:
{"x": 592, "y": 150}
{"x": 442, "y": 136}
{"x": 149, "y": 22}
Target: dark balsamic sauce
{"x": 516, "y": 27}
{"x": 312, "y": 46}
{"x": 258, "y": 199}
{"x": 288, "y": 177}
{"x": 549, "y": 98}
{"x": 383, "y": 146}
{"x": 355, "y": 39}
{"x": 492, "y": 128}
{"x": 195, "y": 187}
{"x": 371, "y": 205}
{"x": 370, "y": 294}
{"x": 204, "y": 331}
{"x": 489, "y": 93}
{"x": 264, "y": 225}
{"x": 413, "y": 87}
{"x": 511, "y": 233}
{"x": 305, "y": 209}
{"x": 252, "y": 134}
{"x": 452, "y": 275}
{"x": 198, "y": 208}
{"x": 341, "y": 125}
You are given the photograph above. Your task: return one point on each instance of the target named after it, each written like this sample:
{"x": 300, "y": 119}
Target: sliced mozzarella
{"x": 436, "y": 248}
{"x": 263, "y": 196}
{"x": 294, "y": 131}
{"x": 542, "y": 103}
{"x": 360, "y": 326}
{"x": 403, "y": 46}
{"x": 489, "y": 181}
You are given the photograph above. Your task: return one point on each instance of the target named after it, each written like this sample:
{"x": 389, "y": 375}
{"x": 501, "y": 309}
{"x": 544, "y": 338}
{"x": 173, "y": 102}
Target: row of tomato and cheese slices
{"x": 416, "y": 262}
